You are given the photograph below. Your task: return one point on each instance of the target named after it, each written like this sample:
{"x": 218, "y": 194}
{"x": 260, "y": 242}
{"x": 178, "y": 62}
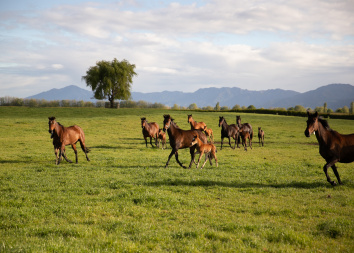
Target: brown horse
{"x": 180, "y": 139}
{"x": 334, "y": 147}
{"x": 244, "y": 136}
{"x": 150, "y": 130}
{"x": 196, "y": 125}
{"x": 162, "y": 138}
{"x": 209, "y": 132}
{"x": 246, "y": 127}
{"x": 205, "y": 148}
{"x": 228, "y": 131}
{"x": 63, "y": 136}
{"x": 260, "y": 136}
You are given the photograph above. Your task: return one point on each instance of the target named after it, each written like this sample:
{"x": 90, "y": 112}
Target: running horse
{"x": 228, "y": 131}
{"x": 150, "y": 130}
{"x": 196, "y": 125}
{"x": 334, "y": 147}
{"x": 180, "y": 139}
{"x": 63, "y": 136}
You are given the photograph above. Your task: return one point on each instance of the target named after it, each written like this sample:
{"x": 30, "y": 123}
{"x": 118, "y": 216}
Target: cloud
{"x": 250, "y": 44}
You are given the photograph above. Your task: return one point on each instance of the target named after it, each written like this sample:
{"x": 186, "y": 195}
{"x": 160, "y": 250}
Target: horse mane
{"x": 324, "y": 123}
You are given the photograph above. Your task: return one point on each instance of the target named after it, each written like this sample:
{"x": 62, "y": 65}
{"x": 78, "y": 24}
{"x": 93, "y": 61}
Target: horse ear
{"x": 316, "y": 114}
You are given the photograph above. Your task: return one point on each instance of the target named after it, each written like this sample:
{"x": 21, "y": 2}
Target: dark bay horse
{"x": 243, "y": 128}
{"x": 196, "y": 125}
{"x": 150, "y": 130}
{"x": 334, "y": 147}
{"x": 63, "y": 136}
{"x": 180, "y": 139}
{"x": 228, "y": 131}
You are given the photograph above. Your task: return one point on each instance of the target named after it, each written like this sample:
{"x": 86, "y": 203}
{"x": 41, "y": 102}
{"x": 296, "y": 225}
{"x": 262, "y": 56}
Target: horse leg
{"x": 200, "y": 157}
{"x": 180, "y": 164}
{"x": 191, "y": 151}
{"x": 151, "y": 141}
{"x": 65, "y": 157}
{"x": 62, "y": 149}
{"x": 83, "y": 147}
{"x": 334, "y": 168}
{"x": 325, "y": 168}
{"x": 75, "y": 151}
{"x": 206, "y": 159}
{"x": 222, "y": 140}
{"x": 146, "y": 142}
{"x": 169, "y": 157}
{"x": 56, "y": 155}
{"x": 230, "y": 142}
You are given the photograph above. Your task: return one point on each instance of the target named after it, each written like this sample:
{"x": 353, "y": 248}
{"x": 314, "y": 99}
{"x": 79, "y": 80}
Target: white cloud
{"x": 250, "y": 44}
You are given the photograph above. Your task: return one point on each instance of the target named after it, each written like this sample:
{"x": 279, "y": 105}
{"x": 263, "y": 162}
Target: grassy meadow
{"x": 269, "y": 199}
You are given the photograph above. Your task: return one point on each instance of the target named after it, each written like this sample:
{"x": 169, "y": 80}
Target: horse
{"x": 228, "y": 131}
{"x": 334, "y": 147}
{"x": 205, "y": 148}
{"x": 246, "y": 127}
{"x": 150, "y": 130}
{"x": 63, "y": 136}
{"x": 209, "y": 132}
{"x": 162, "y": 137}
{"x": 196, "y": 125}
{"x": 180, "y": 139}
{"x": 244, "y": 136}
{"x": 260, "y": 136}
{"x": 57, "y": 146}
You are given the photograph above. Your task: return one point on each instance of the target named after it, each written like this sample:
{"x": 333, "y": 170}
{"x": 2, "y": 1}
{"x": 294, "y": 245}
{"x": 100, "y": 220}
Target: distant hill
{"x": 71, "y": 92}
{"x": 335, "y": 95}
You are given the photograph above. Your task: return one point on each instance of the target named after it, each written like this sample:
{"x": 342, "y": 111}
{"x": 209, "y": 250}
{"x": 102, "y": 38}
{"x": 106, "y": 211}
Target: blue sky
{"x": 177, "y": 45}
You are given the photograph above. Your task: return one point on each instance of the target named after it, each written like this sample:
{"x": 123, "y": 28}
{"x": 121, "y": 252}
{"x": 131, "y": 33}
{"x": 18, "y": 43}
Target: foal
{"x": 205, "y": 148}
{"x": 260, "y": 136}
{"x": 162, "y": 137}
{"x": 209, "y": 132}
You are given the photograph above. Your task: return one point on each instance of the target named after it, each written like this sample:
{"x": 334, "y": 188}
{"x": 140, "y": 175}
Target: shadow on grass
{"x": 298, "y": 185}
{"x": 11, "y": 161}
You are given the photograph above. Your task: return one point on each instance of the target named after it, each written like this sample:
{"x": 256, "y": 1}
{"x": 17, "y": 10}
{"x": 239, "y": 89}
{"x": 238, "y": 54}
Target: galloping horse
{"x": 196, "y": 125}
{"x": 228, "y": 131}
{"x": 180, "y": 139}
{"x": 150, "y": 130}
{"x": 63, "y": 136}
{"x": 246, "y": 127}
{"x": 205, "y": 148}
{"x": 334, "y": 147}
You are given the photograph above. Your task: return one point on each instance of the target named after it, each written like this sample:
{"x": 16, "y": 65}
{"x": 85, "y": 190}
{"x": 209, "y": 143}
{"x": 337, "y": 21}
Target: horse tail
{"x": 251, "y": 133}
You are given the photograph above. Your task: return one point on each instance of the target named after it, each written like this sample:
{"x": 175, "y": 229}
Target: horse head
{"x": 238, "y": 120}
{"x": 312, "y": 123}
{"x": 166, "y": 122}
{"x": 189, "y": 118}
{"x": 143, "y": 122}
{"x": 51, "y": 124}
{"x": 221, "y": 120}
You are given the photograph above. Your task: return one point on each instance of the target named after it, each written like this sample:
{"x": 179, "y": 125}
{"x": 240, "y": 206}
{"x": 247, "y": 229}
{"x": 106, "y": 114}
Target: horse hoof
{"x": 333, "y": 183}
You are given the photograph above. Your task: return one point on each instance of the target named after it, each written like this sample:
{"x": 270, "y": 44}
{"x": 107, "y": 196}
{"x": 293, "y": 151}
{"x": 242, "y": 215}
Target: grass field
{"x": 269, "y": 199}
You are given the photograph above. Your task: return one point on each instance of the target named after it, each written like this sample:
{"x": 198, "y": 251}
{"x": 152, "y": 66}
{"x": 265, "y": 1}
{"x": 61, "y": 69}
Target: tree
{"x": 325, "y": 108}
{"x": 217, "y": 106}
{"x": 352, "y": 107}
{"x": 193, "y": 106}
{"x": 111, "y": 80}
{"x": 251, "y": 107}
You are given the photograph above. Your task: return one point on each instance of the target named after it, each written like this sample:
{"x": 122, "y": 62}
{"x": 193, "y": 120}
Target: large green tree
{"x": 111, "y": 80}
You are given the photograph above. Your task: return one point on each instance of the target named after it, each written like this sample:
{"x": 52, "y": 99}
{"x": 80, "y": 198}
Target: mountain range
{"x": 335, "y": 95}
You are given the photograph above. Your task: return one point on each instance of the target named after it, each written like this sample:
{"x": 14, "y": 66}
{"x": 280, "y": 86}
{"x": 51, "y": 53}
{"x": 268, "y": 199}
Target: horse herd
{"x": 334, "y": 147}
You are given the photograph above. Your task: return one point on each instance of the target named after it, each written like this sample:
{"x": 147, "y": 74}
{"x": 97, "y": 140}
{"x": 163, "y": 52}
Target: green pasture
{"x": 269, "y": 199}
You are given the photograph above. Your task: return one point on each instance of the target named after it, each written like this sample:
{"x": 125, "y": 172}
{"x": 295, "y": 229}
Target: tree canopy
{"x": 111, "y": 80}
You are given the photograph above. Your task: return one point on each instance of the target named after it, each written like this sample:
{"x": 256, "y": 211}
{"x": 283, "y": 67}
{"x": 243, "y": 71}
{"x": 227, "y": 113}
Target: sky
{"x": 177, "y": 45}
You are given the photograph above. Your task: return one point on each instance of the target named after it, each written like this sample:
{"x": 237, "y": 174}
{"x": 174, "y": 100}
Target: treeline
{"x": 298, "y": 110}
{"x": 13, "y": 101}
